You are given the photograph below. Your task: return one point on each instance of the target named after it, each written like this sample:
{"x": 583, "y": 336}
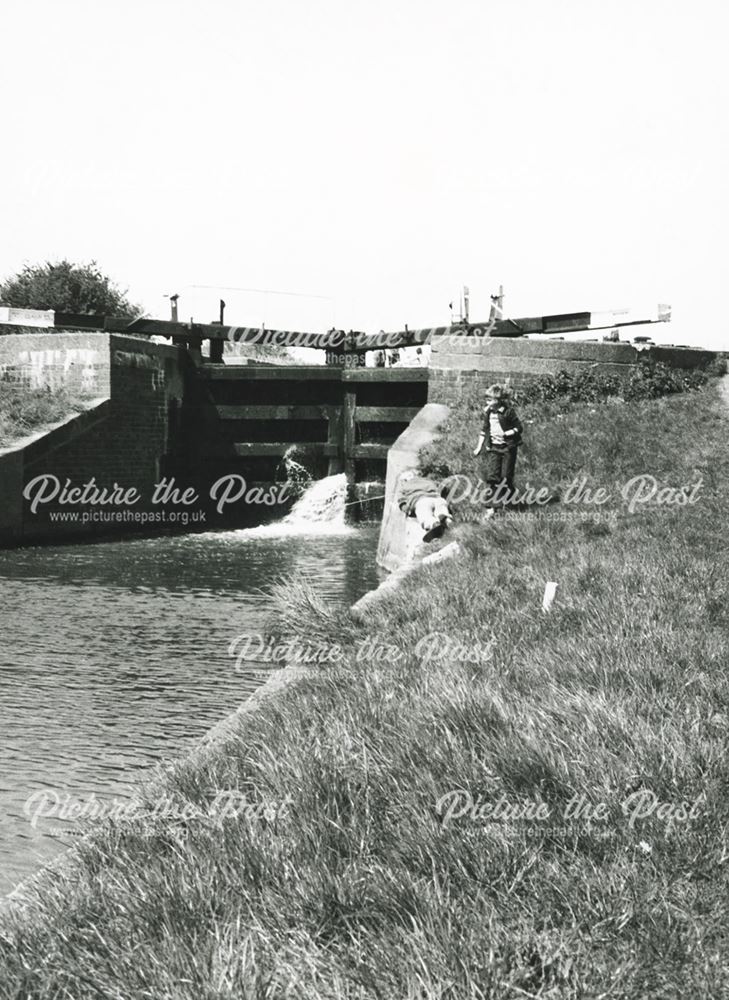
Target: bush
{"x": 66, "y": 287}
{"x": 648, "y": 380}
{"x": 583, "y": 387}
{"x": 653, "y": 379}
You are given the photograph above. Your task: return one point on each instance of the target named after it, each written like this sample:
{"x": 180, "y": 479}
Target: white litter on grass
{"x": 549, "y": 593}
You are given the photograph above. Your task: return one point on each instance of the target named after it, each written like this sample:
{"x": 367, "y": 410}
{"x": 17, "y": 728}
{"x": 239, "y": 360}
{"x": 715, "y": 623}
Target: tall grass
{"x": 359, "y": 888}
{"x": 24, "y": 410}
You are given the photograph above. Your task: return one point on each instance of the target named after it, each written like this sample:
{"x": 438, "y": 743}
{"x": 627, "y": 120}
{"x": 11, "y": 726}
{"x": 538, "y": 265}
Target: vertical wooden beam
{"x": 352, "y": 359}
{"x": 334, "y": 437}
{"x": 194, "y": 346}
{"x": 348, "y": 415}
{"x": 217, "y": 346}
{"x": 216, "y": 351}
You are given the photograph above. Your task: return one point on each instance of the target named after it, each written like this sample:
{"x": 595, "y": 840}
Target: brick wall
{"x": 457, "y": 363}
{"x": 128, "y": 440}
{"x": 77, "y": 361}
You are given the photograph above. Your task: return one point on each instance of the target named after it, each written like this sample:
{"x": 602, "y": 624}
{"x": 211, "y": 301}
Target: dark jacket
{"x": 413, "y": 490}
{"x": 508, "y": 420}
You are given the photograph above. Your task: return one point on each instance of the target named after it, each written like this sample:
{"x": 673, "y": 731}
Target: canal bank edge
{"x": 400, "y": 550}
{"x": 23, "y": 893}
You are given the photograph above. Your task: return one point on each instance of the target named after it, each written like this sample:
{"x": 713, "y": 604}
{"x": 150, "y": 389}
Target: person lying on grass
{"x": 423, "y": 499}
{"x": 501, "y": 433}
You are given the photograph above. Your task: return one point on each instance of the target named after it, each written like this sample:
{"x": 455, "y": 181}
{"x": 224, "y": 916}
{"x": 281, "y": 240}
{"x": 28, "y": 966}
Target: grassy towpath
{"x": 467, "y": 798}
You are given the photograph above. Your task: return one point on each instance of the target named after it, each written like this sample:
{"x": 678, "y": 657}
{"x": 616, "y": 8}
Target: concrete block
{"x": 447, "y": 552}
{"x": 400, "y": 535}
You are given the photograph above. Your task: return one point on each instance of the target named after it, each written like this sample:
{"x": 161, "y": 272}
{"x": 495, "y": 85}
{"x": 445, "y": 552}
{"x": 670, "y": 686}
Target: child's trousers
{"x": 499, "y": 466}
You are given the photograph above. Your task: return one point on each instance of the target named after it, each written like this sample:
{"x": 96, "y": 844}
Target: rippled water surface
{"x": 115, "y": 656}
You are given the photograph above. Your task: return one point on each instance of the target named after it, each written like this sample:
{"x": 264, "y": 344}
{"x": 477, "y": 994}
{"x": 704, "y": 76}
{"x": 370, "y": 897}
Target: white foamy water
{"x": 322, "y": 503}
{"x": 319, "y": 511}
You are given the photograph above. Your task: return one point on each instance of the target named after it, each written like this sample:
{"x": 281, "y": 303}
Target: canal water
{"x": 116, "y": 656}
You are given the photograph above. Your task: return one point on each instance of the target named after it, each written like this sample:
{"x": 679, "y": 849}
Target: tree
{"x": 66, "y": 287}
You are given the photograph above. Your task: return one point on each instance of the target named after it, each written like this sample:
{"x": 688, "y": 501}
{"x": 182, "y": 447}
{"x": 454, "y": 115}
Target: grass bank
{"x": 24, "y": 410}
{"x": 392, "y": 845}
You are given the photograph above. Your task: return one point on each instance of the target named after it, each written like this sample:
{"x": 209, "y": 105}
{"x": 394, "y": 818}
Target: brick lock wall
{"x": 124, "y": 441}
{"x": 458, "y": 364}
{"x": 449, "y": 387}
{"x": 77, "y": 361}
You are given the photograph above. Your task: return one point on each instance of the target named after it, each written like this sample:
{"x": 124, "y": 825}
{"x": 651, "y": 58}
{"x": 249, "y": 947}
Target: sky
{"x": 352, "y": 164}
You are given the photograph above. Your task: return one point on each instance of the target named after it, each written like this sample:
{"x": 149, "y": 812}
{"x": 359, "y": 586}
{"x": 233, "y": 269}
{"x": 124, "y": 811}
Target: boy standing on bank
{"x": 501, "y": 434}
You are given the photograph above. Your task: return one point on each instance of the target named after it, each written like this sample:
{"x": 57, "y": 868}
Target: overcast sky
{"x": 373, "y": 157}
